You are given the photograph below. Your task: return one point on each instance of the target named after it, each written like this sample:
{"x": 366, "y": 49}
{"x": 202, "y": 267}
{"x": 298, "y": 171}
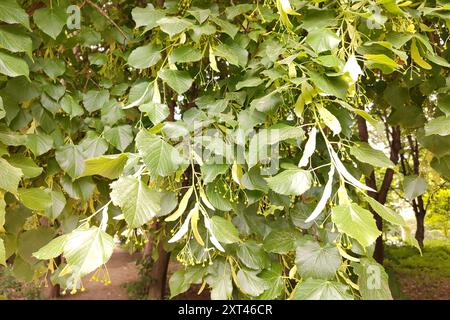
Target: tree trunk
{"x": 381, "y": 194}
{"x": 420, "y": 230}
{"x": 418, "y": 205}
{"x": 420, "y": 212}
{"x": 158, "y": 274}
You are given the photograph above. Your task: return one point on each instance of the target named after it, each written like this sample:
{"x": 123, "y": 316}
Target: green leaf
{"x": 50, "y": 20}
{"x": 250, "y": 283}
{"x": 160, "y": 157}
{"x": 9, "y": 176}
{"x": 180, "y": 81}
{"x": 356, "y": 222}
{"x": 2, "y": 252}
{"x": 365, "y": 153}
{"x": 185, "y": 54}
{"x": 252, "y": 255}
{"x": 173, "y": 25}
{"x": 71, "y": 107}
{"x": 39, "y": 143}
{"x": 253, "y": 180}
{"x": 316, "y": 261}
{"x": 110, "y": 166}
{"x": 219, "y": 279}
{"x": 145, "y": 56}
{"x": 71, "y": 159}
{"x": 35, "y": 198}
{"x": 211, "y": 171}
{"x": 267, "y": 104}
{"x": 249, "y": 83}
{"x": 2, "y": 109}
{"x": 319, "y": 289}
{"x": 380, "y": 61}
{"x": 30, "y": 241}
{"x": 372, "y": 280}
{"x": 13, "y": 66}
{"x": 94, "y": 146}
{"x": 22, "y": 270}
{"x": 224, "y": 230}
{"x": 53, "y": 67}
{"x": 98, "y": 59}
{"x": 322, "y": 40}
{"x": 82, "y": 188}
{"x": 58, "y": 203}
{"x": 227, "y": 27}
{"x": 11, "y": 12}
{"x": 138, "y": 202}
{"x": 182, "y": 279}
{"x": 442, "y": 166}
{"x": 2, "y": 212}
{"x": 120, "y": 136}
{"x": 52, "y": 249}
{"x": 86, "y": 250}
{"x": 146, "y": 16}
{"x": 14, "y": 40}
{"x": 437, "y": 60}
{"x": 26, "y": 164}
{"x": 156, "y": 112}
{"x": 439, "y": 126}
{"x": 334, "y": 86}
{"x": 281, "y": 241}
{"x": 330, "y": 119}
{"x": 95, "y": 100}
{"x": 290, "y": 182}
{"x": 233, "y": 11}
{"x": 49, "y": 104}
{"x": 414, "y": 186}
{"x": 233, "y": 53}
{"x": 217, "y": 196}
{"x": 275, "y": 282}
{"x": 200, "y": 14}
{"x": 174, "y": 130}
{"x": 385, "y": 212}
{"x": 443, "y": 102}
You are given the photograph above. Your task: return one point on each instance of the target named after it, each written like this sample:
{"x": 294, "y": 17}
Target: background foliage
{"x": 92, "y": 120}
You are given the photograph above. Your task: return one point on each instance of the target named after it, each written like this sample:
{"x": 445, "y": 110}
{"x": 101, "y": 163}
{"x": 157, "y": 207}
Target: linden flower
{"x": 411, "y": 28}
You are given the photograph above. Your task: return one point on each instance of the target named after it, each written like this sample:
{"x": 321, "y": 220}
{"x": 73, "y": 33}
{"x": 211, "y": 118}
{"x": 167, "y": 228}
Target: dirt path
{"x": 424, "y": 287}
{"x": 122, "y": 269}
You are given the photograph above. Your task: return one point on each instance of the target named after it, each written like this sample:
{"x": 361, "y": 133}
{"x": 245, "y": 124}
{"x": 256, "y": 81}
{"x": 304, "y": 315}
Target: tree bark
{"x": 418, "y": 205}
{"x": 381, "y": 194}
{"x": 420, "y": 220}
{"x": 158, "y": 274}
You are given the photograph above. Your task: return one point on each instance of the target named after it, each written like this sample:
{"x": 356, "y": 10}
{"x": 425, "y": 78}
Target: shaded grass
{"x": 415, "y": 276}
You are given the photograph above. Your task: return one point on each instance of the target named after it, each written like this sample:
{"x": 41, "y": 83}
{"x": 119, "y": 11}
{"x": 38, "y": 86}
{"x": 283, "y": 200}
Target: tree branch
{"x": 103, "y": 13}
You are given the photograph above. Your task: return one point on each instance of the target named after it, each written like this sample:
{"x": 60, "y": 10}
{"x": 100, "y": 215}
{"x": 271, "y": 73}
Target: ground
{"x": 419, "y": 277}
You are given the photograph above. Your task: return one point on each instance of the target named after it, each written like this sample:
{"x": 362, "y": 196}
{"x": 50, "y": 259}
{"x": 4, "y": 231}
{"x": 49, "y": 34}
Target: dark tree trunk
{"x": 158, "y": 274}
{"x": 381, "y": 194}
{"x": 418, "y": 205}
{"x": 420, "y": 230}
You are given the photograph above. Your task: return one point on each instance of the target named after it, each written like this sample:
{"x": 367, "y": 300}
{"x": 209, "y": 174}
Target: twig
{"x": 103, "y": 13}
